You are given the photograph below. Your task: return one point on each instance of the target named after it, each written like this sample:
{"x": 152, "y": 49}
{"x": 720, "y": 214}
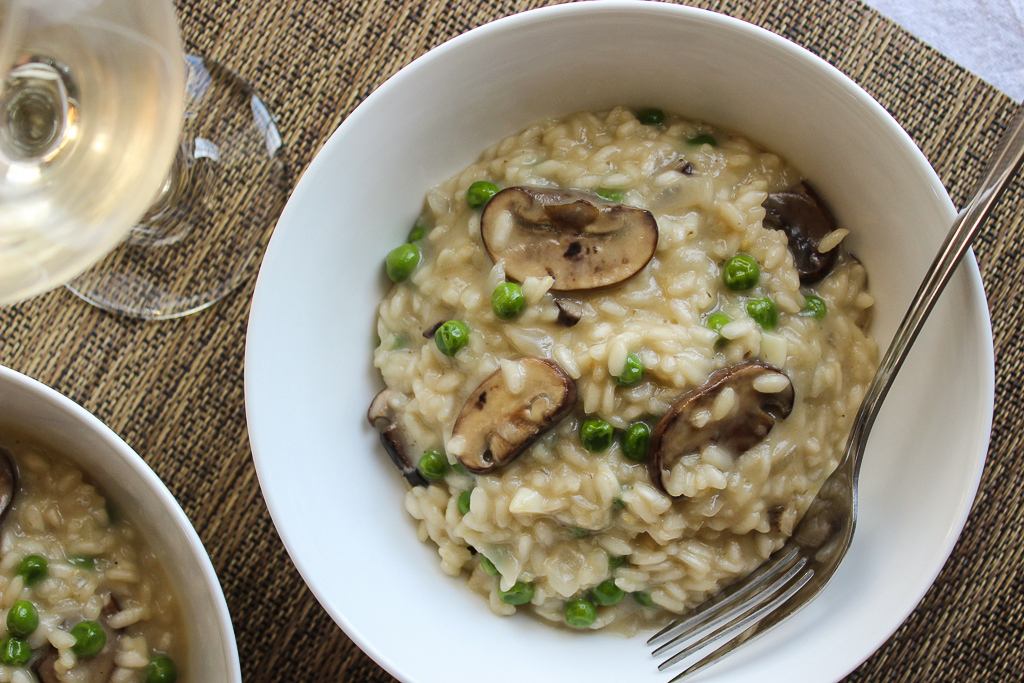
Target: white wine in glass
{"x": 90, "y": 113}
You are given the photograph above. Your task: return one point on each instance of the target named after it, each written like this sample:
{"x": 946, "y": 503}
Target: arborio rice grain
{"x": 559, "y": 518}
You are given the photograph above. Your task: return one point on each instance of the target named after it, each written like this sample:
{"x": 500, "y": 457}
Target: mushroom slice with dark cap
{"x": 8, "y": 481}
{"x": 569, "y": 312}
{"x": 432, "y": 330}
{"x": 581, "y": 242}
{"x": 762, "y": 394}
{"x": 805, "y": 219}
{"x": 45, "y": 666}
{"x": 497, "y": 423}
{"x": 96, "y": 669}
{"x": 381, "y": 416}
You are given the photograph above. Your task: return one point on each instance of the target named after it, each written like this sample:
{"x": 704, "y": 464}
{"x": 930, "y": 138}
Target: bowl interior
{"x": 51, "y": 419}
{"x": 337, "y": 501}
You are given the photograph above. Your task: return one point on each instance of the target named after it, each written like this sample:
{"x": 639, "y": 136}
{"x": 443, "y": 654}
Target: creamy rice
{"x": 99, "y": 568}
{"x": 564, "y": 519}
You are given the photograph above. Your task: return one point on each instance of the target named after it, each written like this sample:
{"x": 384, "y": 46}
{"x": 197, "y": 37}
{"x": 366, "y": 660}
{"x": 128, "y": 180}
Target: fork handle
{"x": 1005, "y": 161}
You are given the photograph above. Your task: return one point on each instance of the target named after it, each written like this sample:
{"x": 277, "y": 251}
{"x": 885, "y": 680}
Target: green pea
{"x": 741, "y": 272}
{"x": 33, "y": 568}
{"x": 764, "y": 312}
{"x": 22, "y": 618}
{"x": 580, "y": 613}
{"x": 507, "y": 300}
{"x": 644, "y": 598}
{"x": 401, "y": 261}
{"x": 451, "y": 337}
{"x": 479, "y": 193}
{"x": 632, "y": 372}
{"x": 815, "y": 307}
{"x": 610, "y": 195}
{"x": 596, "y": 435}
{"x": 607, "y": 593}
{"x": 703, "y": 139}
{"x": 488, "y": 566}
{"x": 433, "y": 465}
{"x": 418, "y": 232}
{"x": 519, "y": 594}
{"x": 457, "y": 466}
{"x": 83, "y": 562}
{"x": 464, "y": 501}
{"x": 161, "y": 669}
{"x": 716, "y": 321}
{"x": 14, "y": 651}
{"x": 616, "y": 561}
{"x": 89, "y": 638}
{"x": 618, "y": 504}
{"x": 634, "y": 441}
{"x": 651, "y": 116}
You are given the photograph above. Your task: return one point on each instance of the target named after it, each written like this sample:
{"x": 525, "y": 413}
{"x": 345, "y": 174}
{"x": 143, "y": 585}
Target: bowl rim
{"x": 840, "y": 80}
{"x": 167, "y": 502}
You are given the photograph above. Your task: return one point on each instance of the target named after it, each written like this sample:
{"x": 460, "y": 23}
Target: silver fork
{"x": 799, "y": 570}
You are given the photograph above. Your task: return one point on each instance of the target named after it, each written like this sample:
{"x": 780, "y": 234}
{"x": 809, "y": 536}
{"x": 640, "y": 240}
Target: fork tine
{"x": 751, "y": 611}
{"x": 775, "y": 614}
{"x": 743, "y": 600}
{"x": 728, "y": 597}
{"x": 769, "y": 620}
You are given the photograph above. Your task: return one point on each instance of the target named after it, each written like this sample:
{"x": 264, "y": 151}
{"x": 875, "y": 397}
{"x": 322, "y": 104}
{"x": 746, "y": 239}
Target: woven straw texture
{"x": 173, "y": 390}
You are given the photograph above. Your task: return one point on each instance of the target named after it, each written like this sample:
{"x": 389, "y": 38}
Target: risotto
{"x": 622, "y": 352}
{"x": 83, "y": 599}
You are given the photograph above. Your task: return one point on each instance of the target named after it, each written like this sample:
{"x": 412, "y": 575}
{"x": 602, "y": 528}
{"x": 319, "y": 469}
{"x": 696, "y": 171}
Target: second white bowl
{"x": 36, "y": 411}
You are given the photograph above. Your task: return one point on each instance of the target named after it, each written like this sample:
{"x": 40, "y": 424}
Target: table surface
{"x": 986, "y": 36}
{"x": 173, "y": 389}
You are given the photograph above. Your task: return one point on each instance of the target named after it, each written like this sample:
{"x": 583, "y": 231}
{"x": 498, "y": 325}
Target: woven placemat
{"x": 173, "y": 390}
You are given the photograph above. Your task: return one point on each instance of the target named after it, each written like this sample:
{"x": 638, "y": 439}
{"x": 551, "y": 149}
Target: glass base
{"x": 205, "y": 232}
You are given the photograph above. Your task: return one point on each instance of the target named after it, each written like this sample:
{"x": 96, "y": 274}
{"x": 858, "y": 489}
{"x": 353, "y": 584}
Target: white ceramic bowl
{"x": 54, "y": 420}
{"x": 337, "y": 501}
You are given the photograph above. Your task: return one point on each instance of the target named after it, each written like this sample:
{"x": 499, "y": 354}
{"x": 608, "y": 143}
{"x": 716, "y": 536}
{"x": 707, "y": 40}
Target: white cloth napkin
{"x": 984, "y": 36}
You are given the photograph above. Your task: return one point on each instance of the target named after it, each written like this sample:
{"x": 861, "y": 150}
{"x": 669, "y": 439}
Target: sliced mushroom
{"x": 8, "y": 481}
{"x": 497, "y": 423}
{"x": 381, "y": 416}
{"x": 805, "y": 219}
{"x": 98, "y": 668}
{"x": 111, "y": 606}
{"x": 686, "y": 427}
{"x": 569, "y": 312}
{"x": 45, "y": 668}
{"x": 580, "y": 242}
{"x": 430, "y": 331}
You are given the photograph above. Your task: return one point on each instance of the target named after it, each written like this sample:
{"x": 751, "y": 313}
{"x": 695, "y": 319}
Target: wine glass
{"x": 90, "y": 109}
{"x": 205, "y": 231}
{"x": 191, "y": 233}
